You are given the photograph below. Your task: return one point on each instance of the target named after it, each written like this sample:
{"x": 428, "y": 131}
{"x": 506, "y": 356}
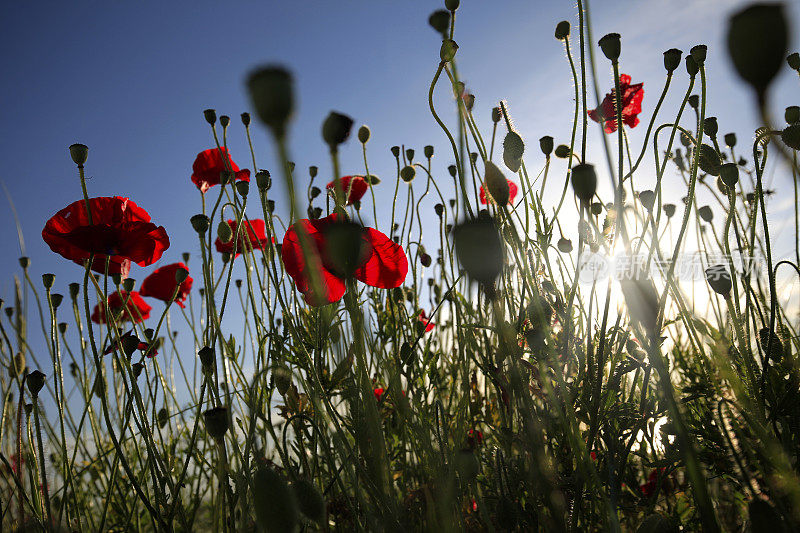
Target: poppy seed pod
{"x": 245, "y": 119}
{"x": 793, "y": 60}
{"x": 410, "y": 155}
{"x": 263, "y": 180}
{"x": 791, "y": 136}
{"x": 647, "y": 198}
{"x": 729, "y": 174}
{"x": 792, "y": 114}
{"x": 24, "y": 262}
{"x": 584, "y": 181}
{"x": 497, "y": 184}
{"x": 210, "y": 116}
{"x": 427, "y": 150}
{"x": 452, "y": 170}
{"x": 497, "y": 114}
{"x": 180, "y": 275}
{"x": 128, "y": 284}
{"x": 200, "y": 223}
{"x": 62, "y": 327}
{"x": 757, "y": 42}
{"x": 48, "y": 280}
{"x": 596, "y": 208}
{"x": 719, "y": 280}
{"x": 440, "y": 21}
{"x": 35, "y": 381}
{"x": 224, "y": 120}
{"x": 207, "y": 357}
{"x": 242, "y": 187}
{"x": 672, "y": 59}
{"x": 79, "y": 153}
{"x": 710, "y": 126}
{"x": 709, "y": 160}
{"x": 448, "y": 50}
{"x": 562, "y": 151}
{"x": 564, "y": 245}
{"x": 272, "y": 94}
{"x": 706, "y": 213}
{"x": 438, "y": 209}
{"x": 610, "y": 45}
{"x": 562, "y": 30}
{"x": 730, "y": 140}
{"x": 452, "y": 5}
{"x": 336, "y": 129}
{"x": 56, "y": 299}
{"x": 669, "y": 210}
{"x": 395, "y": 151}
{"x": 407, "y": 173}
{"x": 479, "y": 249}
{"x": 692, "y": 68}
{"x": 363, "y": 134}
{"x": 699, "y": 53}
{"x": 546, "y": 144}
{"x": 74, "y": 289}
{"x": 217, "y": 422}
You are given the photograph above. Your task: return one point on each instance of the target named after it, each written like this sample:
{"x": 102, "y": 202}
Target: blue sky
{"x": 130, "y": 80}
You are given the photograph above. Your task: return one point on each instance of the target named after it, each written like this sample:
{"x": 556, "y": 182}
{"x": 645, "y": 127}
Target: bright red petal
{"x": 208, "y": 165}
{"x": 387, "y": 264}
{"x": 294, "y": 263}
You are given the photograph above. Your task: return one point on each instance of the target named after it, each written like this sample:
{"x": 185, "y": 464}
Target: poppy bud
{"x": 497, "y": 114}
{"x": 699, "y": 53}
{"x": 448, "y": 50}
{"x": 79, "y": 153}
{"x": 729, "y": 173}
{"x": 410, "y": 155}
{"x": 200, "y": 223}
{"x": 224, "y": 231}
{"x": 513, "y": 145}
{"x": 479, "y": 249}
{"x": 440, "y": 21}
{"x": 792, "y": 114}
{"x": 473, "y": 156}
{"x": 497, "y": 184}
{"x": 719, "y": 280}
{"x": 56, "y": 299}
{"x": 270, "y": 205}
{"x": 211, "y": 116}
{"x": 35, "y": 381}
{"x": 564, "y": 245}
{"x": 363, "y": 134}
{"x": 584, "y": 181}
{"x": 596, "y": 208}
{"x": 274, "y": 501}
{"x": 452, "y": 5}
{"x": 692, "y": 68}
{"x": 242, "y": 187}
{"x": 428, "y": 151}
{"x": 315, "y": 191}
{"x": 791, "y": 136}
{"x": 546, "y": 144}
{"x": 439, "y": 210}
{"x": 672, "y": 59}
{"x": 217, "y": 422}
{"x": 62, "y": 327}
{"x": 694, "y": 102}
{"x": 710, "y": 126}
{"x": 425, "y": 259}
{"x": 24, "y": 262}
{"x": 74, "y": 289}
{"x": 224, "y": 120}
{"x": 648, "y": 199}
{"x": 771, "y": 344}
{"x": 48, "y": 280}
{"x": 207, "y": 357}
{"x": 709, "y": 160}
{"x": 562, "y": 30}
{"x": 282, "y": 377}
{"x": 336, "y": 129}
{"x": 17, "y": 366}
{"x": 180, "y": 275}
{"x": 757, "y": 41}
{"x": 263, "y": 180}
{"x": 245, "y": 119}
{"x": 562, "y": 151}
{"x": 272, "y": 95}
{"x": 309, "y": 500}
{"x": 706, "y": 213}
{"x": 730, "y": 140}
{"x": 407, "y": 173}
{"x": 610, "y": 45}
{"x": 469, "y": 101}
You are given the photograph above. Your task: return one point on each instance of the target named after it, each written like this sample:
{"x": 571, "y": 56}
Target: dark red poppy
{"x": 632, "y": 96}
{"x": 512, "y": 192}
{"x": 354, "y": 188}
{"x": 593, "y": 456}
{"x": 427, "y": 324}
{"x": 256, "y": 237}
{"x": 120, "y": 229}
{"x": 384, "y": 265}
{"x": 141, "y": 346}
{"x": 474, "y": 438}
{"x": 649, "y": 487}
{"x": 378, "y": 392}
{"x": 210, "y": 164}
{"x": 135, "y": 311}
{"x": 161, "y": 284}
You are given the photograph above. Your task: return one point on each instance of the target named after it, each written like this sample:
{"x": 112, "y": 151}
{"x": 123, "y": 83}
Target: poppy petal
{"x": 386, "y": 266}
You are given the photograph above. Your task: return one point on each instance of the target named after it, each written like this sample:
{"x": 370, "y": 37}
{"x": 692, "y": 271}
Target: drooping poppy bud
{"x": 562, "y": 30}
{"x": 513, "y": 148}
{"x": 562, "y": 151}
{"x": 217, "y": 422}
{"x": 584, "y": 181}
{"x": 729, "y": 174}
{"x": 440, "y": 21}
{"x": 336, "y": 129}
{"x": 79, "y": 153}
{"x": 546, "y": 144}
{"x": 497, "y": 184}
{"x": 224, "y": 231}
{"x": 672, "y": 59}
{"x": 791, "y": 136}
{"x": 730, "y": 140}
{"x": 272, "y": 94}
{"x": 706, "y": 213}
{"x": 610, "y": 45}
{"x": 719, "y": 280}
{"x": 757, "y": 42}
{"x": 792, "y": 114}
{"x": 282, "y": 378}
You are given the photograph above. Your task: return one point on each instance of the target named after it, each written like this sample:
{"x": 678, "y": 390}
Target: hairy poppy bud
{"x": 648, "y": 199}
{"x": 669, "y": 210}
{"x": 513, "y": 145}
{"x": 35, "y": 381}
{"x": 272, "y": 95}
{"x": 729, "y": 174}
{"x": 672, "y": 59}
{"x": 282, "y": 377}
{"x": 439, "y": 209}
{"x": 427, "y": 150}
{"x": 363, "y": 134}
{"x": 699, "y": 53}
{"x": 274, "y": 501}
{"x": 730, "y": 140}
{"x": 497, "y": 114}
{"x": 162, "y": 417}
{"x": 584, "y": 181}
{"x": 74, "y": 289}
{"x": 710, "y": 126}
{"x": 245, "y": 119}
{"x": 336, "y": 129}
{"x": 562, "y": 30}
{"x": 48, "y": 280}
{"x": 792, "y": 114}
{"x": 610, "y": 45}
{"x": 440, "y": 21}
{"x": 79, "y": 153}
{"x": 709, "y": 160}
{"x": 479, "y": 249}
{"x": 562, "y": 151}
{"x": 200, "y": 223}
{"x": 407, "y": 173}
{"x": 242, "y": 187}
{"x": 217, "y": 422}
{"x": 224, "y": 231}
{"x": 395, "y": 151}
{"x": 496, "y": 183}
{"x": 692, "y": 68}
{"x": 210, "y": 116}
{"x": 448, "y": 50}
{"x": 24, "y": 262}
{"x": 791, "y": 136}
{"x": 719, "y": 279}
{"x": 224, "y": 120}
{"x": 564, "y": 245}
{"x": 706, "y": 213}
{"x": 757, "y": 42}
{"x": 546, "y": 145}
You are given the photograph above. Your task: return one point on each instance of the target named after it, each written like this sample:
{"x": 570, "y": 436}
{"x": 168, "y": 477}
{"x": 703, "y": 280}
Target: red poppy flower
{"x": 354, "y": 188}
{"x": 649, "y": 487}
{"x": 512, "y": 192}
{"x": 120, "y": 229}
{"x": 384, "y": 264}
{"x": 209, "y": 164}
{"x": 142, "y": 346}
{"x": 631, "y": 105}
{"x": 135, "y": 311}
{"x": 423, "y": 319}
{"x": 378, "y": 392}
{"x": 256, "y": 237}
{"x": 474, "y": 438}
{"x": 161, "y": 284}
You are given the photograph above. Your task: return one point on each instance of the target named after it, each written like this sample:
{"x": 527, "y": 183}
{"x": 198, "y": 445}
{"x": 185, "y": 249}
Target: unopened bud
{"x": 584, "y": 181}
{"x": 200, "y": 223}
{"x": 672, "y": 59}
{"x": 448, "y": 50}
{"x": 224, "y": 231}
{"x": 730, "y": 140}
{"x": 336, "y": 129}
{"x": 692, "y": 68}
{"x": 217, "y": 422}
{"x": 180, "y": 275}
{"x": 757, "y": 42}
{"x": 791, "y": 136}
{"x": 407, "y": 173}
{"x": 24, "y": 262}
{"x": 496, "y": 184}
{"x": 792, "y": 114}
{"x": 610, "y": 45}
{"x": 363, "y": 134}
{"x": 562, "y": 30}
{"x": 562, "y": 151}
{"x": 793, "y": 60}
